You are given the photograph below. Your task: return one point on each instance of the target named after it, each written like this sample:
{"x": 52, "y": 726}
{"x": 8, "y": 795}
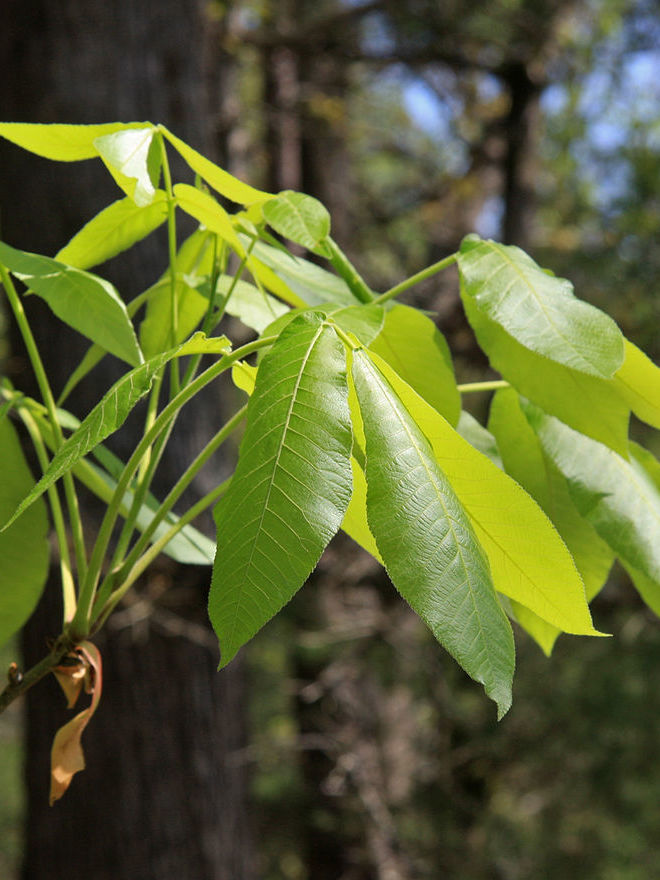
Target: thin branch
{"x": 22, "y": 683}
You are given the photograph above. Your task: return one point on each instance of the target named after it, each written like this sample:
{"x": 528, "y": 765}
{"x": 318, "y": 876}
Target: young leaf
{"x": 590, "y": 405}
{"x": 356, "y": 522}
{"x": 133, "y": 158}
{"x": 110, "y": 414}
{"x": 525, "y": 461}
{"x": 364, "y": 322}
{"x": 291, "y": 486}
{"x": 618, "y": 497}
{"x": 414, "y": 347}
{"x": 63, "y": 143}
{"x": 207, "y": 211}
{"x": 244, "y": 376}
{"x": 528, "y": 560}
{"x": 309, "y": 282}
{"x": 426, "y": 541}
{"x": 273, "y": 282}
{"x": 539, "y": 310}
{"x": 476, "y": 435}
{"x": 115, "y": 229}
{"x": 299, "y": 218}
{"x": 188, "y": 546}
{"x": 638, "y": 382}
{"x": 85, "y": 302}
{"x": 255, "y": 308}
{"x": 221, "y": 181}
{"x": 194, "y": 261}
{"x": 155, "y": 330}
{"x": 24, "y": 548}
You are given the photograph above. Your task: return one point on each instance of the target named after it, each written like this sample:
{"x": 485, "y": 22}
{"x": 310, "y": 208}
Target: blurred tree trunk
{"x": 161, "y": 797}
{"x": 521, "y": 132}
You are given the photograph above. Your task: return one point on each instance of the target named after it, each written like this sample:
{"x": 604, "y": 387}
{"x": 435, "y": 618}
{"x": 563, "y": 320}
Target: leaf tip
{"x": 504, "y": 703}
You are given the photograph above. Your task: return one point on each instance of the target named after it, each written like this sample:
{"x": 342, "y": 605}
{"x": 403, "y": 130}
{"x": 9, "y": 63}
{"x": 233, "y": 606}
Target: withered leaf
{"x": 70, "y": 675}
{"x": 67, "y": 756}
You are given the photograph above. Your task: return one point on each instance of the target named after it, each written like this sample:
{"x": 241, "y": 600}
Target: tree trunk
{"x": 521, "y": 129}
{"x": 162, "y": 796}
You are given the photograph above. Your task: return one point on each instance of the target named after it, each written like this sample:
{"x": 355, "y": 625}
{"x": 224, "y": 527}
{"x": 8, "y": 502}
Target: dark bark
{"x": 162, "y": 796}
{"x": 521, "y": 132}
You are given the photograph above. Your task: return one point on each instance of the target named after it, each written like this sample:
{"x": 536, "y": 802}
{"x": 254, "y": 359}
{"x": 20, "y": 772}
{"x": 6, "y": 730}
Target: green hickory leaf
{"x": 291, "y": 486}
{"x": 363, "y": 321}
{"x": 188, "y": 546}
{"x": 244, "y": 376}
{"x": 110, "y": 414}
{"x": 24, "y": 548}
{"x": 589, "y": 405}
{"x": 254, "y": 307}
{"x": 299, "y": 218}
{"x": 133, "y": 158}
{"x": 414, "y": 347}
{"x": 155, "y": 330}
{"x": 273, "y": 282}
{"x": 638, "y": 382}
{"x": 538, "y": 310}
{"x": 115, "y": 229}
{"x": 95, "y": 354}
{"x": 620, "y": 498}
{"x": 221, "y": 181}
{"x": 63, "y": 143}
{"x": 85, "y": 302}
{"x": 194, "y": 261}
{"x": 356, "y": 522}
{"x": 210, "y": 213}
{"x": 528, "y": 560}
{"x": 426, "y": 541}
{"x": 525, "y": 461}
{"x": 311, "y": 284}
{"x": 476, "y": 435}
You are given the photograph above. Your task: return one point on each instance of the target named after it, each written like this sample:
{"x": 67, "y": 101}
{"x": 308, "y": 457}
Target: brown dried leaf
{"x": 67, "y": 756}
{"x": 70, "y": 675}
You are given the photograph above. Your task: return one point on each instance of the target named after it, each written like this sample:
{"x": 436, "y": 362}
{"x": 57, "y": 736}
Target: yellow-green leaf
{"x": 356, "y": 524}
{"x": 412, "y": 344}
{"x": 525, "y": 460}
{"x": 62, "y": 143}
{"x": 133, "y": 159}
{"x": 113, "y": 230}
{"x": 638, "y": 382}
{"x": 226, "y": 184}
{"x": 529, "y": 561}
{"x": 210, "y": 213}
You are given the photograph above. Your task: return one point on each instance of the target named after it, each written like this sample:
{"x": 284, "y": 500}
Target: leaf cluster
{"x": 354, "y": 421}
